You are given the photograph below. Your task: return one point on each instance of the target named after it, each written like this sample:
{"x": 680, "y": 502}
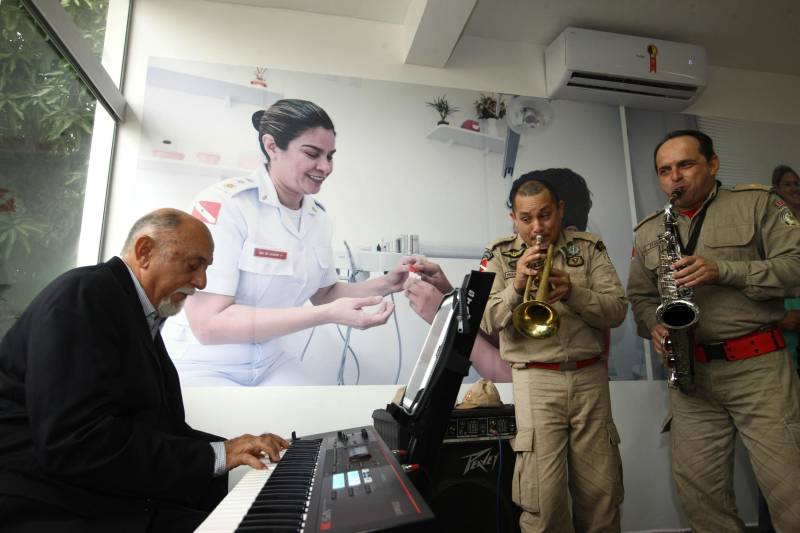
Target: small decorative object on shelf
{"x": 443, "y": 107}
{"x": 207, "y": 158}
{"x": 471, "y": 125}
{"x": 259, "y": 79}
{"x": 167, "y": 151}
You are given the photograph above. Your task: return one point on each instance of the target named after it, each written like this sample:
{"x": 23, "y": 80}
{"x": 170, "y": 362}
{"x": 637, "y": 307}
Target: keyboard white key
{"x": 226, "y": 517}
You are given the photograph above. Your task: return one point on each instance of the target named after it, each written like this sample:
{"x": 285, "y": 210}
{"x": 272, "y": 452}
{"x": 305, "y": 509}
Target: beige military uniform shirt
{"x": 596, "y": 301}
{"x": 754, "y": 239}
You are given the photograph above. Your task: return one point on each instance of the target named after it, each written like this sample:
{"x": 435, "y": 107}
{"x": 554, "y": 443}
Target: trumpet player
{"x": 567, "y": 444}
{"x": 740, "y": 254}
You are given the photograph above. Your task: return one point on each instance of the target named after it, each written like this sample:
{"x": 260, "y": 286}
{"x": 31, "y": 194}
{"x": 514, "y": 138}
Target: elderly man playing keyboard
{"x": 92, "y": 428}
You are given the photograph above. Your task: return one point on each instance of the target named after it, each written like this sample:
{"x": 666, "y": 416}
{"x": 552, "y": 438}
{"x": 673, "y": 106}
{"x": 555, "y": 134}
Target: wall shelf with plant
{"x": 230, "y": 92}
{"x": 465, "y": 137}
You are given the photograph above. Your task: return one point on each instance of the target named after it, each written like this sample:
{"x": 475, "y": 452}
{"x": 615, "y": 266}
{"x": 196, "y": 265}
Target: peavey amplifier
{"x": 470, "y": 484}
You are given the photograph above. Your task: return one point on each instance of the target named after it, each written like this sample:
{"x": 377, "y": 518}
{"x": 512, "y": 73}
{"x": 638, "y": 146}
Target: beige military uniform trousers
{"x": 565, "y": 432}
{"x": 759, "y": 397}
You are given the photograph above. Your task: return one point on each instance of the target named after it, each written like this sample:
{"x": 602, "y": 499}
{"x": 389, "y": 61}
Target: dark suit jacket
{"x": 91, "y": 414}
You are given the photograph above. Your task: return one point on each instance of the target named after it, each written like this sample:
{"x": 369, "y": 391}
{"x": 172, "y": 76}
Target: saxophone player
{"x": 740, "y": 255}
{"x": 566, "y": 443}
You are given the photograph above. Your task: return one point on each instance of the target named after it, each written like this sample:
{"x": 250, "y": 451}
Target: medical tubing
{"x": 303, "y": 354}
{"x": 353, "y": 353}
{"x": 343, "y": 359}
{"x": 399, "y": 344}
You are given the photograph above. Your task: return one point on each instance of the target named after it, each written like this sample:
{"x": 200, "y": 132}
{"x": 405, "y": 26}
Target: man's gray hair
{"x": 159, "y": 225}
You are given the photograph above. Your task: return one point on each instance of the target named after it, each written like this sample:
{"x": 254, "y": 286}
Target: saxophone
{"x": 677, "y": 312}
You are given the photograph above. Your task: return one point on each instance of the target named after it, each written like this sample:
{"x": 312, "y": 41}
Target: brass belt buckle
{"x": 568, "y": 365}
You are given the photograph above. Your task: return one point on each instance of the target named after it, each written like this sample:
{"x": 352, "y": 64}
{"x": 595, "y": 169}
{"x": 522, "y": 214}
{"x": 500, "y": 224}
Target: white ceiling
{"x": 761, "y": 35}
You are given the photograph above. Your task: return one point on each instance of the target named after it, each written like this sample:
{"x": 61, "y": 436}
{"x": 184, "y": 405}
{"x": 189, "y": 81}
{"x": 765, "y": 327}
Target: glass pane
{"x": 46, "y": 123}
{"x": 90, "y": 18}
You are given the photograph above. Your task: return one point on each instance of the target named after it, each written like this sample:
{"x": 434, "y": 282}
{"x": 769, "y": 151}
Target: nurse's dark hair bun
{"x": 257, "y": 118}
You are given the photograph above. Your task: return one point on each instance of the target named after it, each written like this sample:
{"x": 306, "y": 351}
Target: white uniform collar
{"x": 269, "y": 195}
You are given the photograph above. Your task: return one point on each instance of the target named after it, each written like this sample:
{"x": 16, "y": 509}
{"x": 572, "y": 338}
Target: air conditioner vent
{"x": 632, "y": 86}
{"x": 633, "y": 81}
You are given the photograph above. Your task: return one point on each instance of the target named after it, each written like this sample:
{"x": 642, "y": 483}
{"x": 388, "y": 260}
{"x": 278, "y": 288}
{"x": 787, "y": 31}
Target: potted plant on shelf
{"x": 488, "y": 111}
{"x": 443, "y": 107}
{"x": 259, "y": 79}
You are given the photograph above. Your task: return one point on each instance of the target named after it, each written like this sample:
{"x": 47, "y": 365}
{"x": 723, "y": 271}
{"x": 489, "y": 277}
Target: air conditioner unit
{"x": 622, "y": 69}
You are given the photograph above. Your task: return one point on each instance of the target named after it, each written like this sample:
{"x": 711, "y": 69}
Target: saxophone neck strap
{"x": 699, "y": 218}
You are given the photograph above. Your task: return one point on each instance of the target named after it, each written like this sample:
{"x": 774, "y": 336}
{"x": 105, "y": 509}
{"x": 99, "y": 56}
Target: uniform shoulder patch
{"x": 503, "y": 240}
{"x": 233, "y": 186}
{"x": 206, "y": 210}
{"x": 751, "y": 187}
{"x": 319, "y": 205}
{"x": 487, "y": 256}
{"x": 649, "y": 217}
{"x": 788, "y": 217}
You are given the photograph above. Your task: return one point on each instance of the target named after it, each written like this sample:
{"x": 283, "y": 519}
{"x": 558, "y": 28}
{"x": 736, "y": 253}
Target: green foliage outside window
{"x": 46, "y": 119}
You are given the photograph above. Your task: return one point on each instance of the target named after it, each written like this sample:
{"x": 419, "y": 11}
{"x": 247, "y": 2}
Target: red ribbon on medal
{"x": 652, "y": 52}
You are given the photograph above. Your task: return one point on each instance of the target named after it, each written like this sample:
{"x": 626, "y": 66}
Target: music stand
{"x": 443, "y": 362}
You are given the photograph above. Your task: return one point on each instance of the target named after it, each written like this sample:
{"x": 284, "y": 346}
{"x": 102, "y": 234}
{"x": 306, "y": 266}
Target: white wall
{"x": 234, "y": 34}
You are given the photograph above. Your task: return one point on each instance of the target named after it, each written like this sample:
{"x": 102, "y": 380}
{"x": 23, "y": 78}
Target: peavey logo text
{"x": 484, "y": 459}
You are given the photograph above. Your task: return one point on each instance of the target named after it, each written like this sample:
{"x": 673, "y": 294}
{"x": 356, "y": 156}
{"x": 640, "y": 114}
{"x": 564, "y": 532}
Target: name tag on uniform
{"x": 271, "y": 254}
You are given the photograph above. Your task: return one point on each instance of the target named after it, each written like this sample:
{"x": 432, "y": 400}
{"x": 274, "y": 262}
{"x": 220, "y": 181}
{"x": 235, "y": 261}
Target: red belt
{"x": 566, "y": 365}
{"x": 753, "y": 344}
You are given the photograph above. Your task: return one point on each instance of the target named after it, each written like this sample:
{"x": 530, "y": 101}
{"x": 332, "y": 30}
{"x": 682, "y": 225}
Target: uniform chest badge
{"x": 513, "y": 253}
{"x": 572, "y": 249}
{"x": 270, "y": 254}
{"x": 573, "y": 253}
{"x": 649, "y": 246}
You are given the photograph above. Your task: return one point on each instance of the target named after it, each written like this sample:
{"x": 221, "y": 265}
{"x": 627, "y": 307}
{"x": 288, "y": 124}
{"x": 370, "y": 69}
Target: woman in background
{"x": 787, "y": 185}
{"x": 272, "y": 253}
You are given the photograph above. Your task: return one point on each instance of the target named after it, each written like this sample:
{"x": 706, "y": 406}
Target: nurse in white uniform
{"x": 272, "y": 253}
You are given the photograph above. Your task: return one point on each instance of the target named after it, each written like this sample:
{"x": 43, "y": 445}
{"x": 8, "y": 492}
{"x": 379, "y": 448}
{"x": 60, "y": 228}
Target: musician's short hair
{"x": 532, "y": 188}
{"x": 705, "y": 142}
{"x": 569, "y": 186}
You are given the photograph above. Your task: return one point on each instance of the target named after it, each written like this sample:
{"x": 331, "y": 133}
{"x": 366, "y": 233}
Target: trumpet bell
{"x": 535, "y": 319}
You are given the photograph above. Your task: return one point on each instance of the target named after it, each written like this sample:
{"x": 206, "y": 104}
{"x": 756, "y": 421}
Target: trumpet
{"x": 535, "y": 318}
